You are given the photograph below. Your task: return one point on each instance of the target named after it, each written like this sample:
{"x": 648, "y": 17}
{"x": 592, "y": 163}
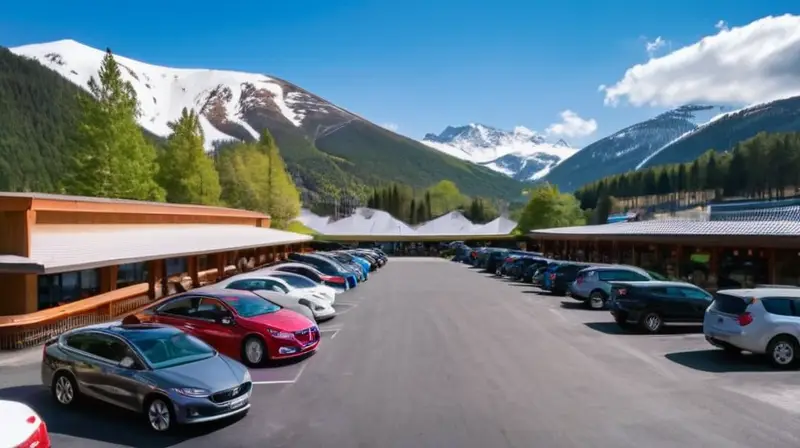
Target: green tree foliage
{"x": 761, "y": 167}
{"x": 253, "y": 177}
{"x": 407, "y": 205}
{"x": 548, "y": 208}
{"x": 604, "y": 204}
{"x": 111, "y": 156}
{"x": 186, "y": 173}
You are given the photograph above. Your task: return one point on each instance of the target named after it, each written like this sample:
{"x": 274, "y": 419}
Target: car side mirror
{"x": 127, "y": 363}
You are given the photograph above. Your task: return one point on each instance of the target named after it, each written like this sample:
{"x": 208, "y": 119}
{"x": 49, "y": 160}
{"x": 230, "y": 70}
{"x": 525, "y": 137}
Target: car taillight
{"x": 622, "y": 292}
{"x": 552, "y": 276}
{"x": 335, "y": 279}
{"x": 745, "y": 319}
{"x": 579, "y": 280}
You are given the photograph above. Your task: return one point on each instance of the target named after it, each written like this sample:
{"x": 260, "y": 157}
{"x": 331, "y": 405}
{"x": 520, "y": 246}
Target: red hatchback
{"x": 239, "y": 324}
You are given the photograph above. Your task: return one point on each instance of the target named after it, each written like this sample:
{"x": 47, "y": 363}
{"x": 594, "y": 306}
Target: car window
{"x": 210, "y": 308}
{"x": 657, "y": 276}
{"x": 170, "y": 348}
{"x": 272, "y": 285}
{"x": 631, "y": 276}
{"x": 675, "y": 292}
{"x": 608, "y": 276}
{"x": 251, "y": 306}
{"x": 693, "y": 293}
{"x": 184, "y": 306}
{"x": 779, "y": 306}
{"x": 100, "y": 345}
{"x": 296, "y": 281}
{"x": 251, "y": 284}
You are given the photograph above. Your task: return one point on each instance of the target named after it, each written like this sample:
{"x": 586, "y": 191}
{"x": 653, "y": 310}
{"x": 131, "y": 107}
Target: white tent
{"x": 312, "y": 220}
{"x": 366, "y": 221}
{"x": 500, "y": 226}
{"x": 453, "y": 223}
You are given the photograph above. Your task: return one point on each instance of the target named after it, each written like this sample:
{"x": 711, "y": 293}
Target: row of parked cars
{"x": 185, "y": 358}
{"x": 764, "y": 319}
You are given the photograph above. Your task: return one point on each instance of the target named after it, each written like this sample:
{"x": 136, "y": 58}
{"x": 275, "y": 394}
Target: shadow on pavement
{"x": 573, "y": 305}
{"x": 717, "y": 361}
{"x": 614, "y": 328}
{"x": 95, "y": 420}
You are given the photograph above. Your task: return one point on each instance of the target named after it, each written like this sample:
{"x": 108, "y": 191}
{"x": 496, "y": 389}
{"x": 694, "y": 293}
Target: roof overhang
{"x": 412, "y": 238}
{"x": 65, "y": 248}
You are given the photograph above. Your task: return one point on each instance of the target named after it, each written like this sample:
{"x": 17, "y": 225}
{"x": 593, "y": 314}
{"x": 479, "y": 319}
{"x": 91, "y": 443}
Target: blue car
{"x": 360, "y": 265}
{"x": 326, "y": 266}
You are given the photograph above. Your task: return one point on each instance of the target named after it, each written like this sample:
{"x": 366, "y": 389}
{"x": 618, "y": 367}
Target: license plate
{"x": 237, "y": 403}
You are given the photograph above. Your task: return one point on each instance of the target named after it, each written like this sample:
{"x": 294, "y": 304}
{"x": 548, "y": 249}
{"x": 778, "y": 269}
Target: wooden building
{"x": 710, "y": 254}
{"x": 67, "y": 261}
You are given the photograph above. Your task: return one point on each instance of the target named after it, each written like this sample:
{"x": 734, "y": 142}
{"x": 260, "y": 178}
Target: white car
{"x": 22, "y": 426}
{"x": 302, "y": 282}
{"x": 289, "y": 297}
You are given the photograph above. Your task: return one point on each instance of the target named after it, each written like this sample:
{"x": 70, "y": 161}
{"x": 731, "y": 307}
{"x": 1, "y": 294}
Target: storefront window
{"x": 176, "y": 266}
{"x": 742, "y": 268}
{"x": 787, "y": 267}
{"x": 131, "y": 274}
{"x": 60, "y": 289}
{"x": 696, "y": 268}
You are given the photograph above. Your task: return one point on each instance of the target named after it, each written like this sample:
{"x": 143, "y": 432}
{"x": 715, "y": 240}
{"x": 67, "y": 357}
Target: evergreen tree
{"x": 111, "y": 157}
{"x": 412, "y": 213}
{"x": 428, "y": 207}
{"x": 422, "y": 213}
{"x": 185, "y": 171}
{"x": 282, "y": 197}
{"x": 603, "y": 209}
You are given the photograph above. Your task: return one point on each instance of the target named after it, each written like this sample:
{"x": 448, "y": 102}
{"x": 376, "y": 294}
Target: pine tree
{"x": 185, "y": 171}
{"x": 283, "y": 199}
{"x": 412, "y": 213}
{"x": 111, "y": 158}
{"x": 422, "y": 213}
{"x": 428, "y": 206}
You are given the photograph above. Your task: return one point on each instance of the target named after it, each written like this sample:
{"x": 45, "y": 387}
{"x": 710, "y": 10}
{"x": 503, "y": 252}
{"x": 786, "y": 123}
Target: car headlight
{"x": 280, "y": 334}
{"x": 247, "y": 377}
{"x": 192, "y": 392}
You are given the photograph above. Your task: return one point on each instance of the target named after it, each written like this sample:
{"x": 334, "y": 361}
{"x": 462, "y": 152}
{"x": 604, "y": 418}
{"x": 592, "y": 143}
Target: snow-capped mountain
{"x": 624, "y": 150}
{"x": 522, "y": 154}
{"x": 228, "y": 102}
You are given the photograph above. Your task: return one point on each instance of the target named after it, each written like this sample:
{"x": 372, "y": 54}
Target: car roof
{"x": 218, "y": 293}
{"x": 760, "y": 293}
{"x": 655, "y": 283}
{"x": 612, "y": 267}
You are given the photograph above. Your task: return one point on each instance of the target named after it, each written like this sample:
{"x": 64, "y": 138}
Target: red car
{"x": 239, "y": 324}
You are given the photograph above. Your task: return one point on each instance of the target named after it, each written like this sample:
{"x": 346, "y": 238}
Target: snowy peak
{"x": 521, "y": 153}
{"x": 228, "y": 102}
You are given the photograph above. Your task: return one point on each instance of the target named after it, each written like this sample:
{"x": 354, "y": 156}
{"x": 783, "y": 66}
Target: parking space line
{"x": 275, "y": 382}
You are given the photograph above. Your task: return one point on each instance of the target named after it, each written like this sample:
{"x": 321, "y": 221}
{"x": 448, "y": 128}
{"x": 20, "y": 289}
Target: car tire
{"x": 254, "y": 351}
{"x": 651, "y": 322}
{"x": 782, "y": 351}
{"x": 622, "y": 320}
{"x": 597, "y": 300}
{"x": 159, "y": 414}
{"x": 64, "y": 389}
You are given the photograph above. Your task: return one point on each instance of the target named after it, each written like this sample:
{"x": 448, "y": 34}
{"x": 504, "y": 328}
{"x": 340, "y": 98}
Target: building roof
{"x": 60, "y": 202}
{"x": 64, "y": 248}
{"x": 680, "y": 228}
{"x": 453, "y": 223}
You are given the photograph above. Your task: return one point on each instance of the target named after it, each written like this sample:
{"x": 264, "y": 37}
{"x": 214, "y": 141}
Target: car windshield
{"x": 657, "y": 276}
{"x": 169, "y": 347}
{"x": 251, "y": 306}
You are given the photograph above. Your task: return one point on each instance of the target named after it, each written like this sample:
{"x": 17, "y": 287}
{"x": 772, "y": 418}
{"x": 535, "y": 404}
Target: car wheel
{"x": 65, "y": 389}
{"x": 597, "y": 300}
{"x": 782, "y": 351}
{"x": 254, "y": 351}
{"x": 622, "y": 320}
{"x": 159, "y": 414}
{"x": 652, "y": 322}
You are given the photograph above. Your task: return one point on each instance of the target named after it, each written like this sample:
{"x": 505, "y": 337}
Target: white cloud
{"x": 391, "y": 126}
{"x": 653, "y": 47}
{"x": 572, "y": 125}
{"x": 721, "y": 25}
{"x": 743, "y": 65}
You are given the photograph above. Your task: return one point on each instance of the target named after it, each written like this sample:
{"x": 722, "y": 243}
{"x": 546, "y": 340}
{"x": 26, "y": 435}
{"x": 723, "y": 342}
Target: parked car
{"x": 161, "y": 371}
{"x": 306, "y": 301}
{"x": 651, "y": 304}
{"x": 298, "y": 281}
{"x": 494, "y": 259}
{"x": 240, "y": 324}
{"x": 592, "y": 285}
{"x": 349, "y": 266}
{"x": 326, "y": 266}
{"x": 358, "y": 264}
{"x": 761, "y": 320}
{"x": 531, "y": 270}
{"x": 558, "y": 279}
{"x": 336, "y": 282}
{"x": 22, "y": 426}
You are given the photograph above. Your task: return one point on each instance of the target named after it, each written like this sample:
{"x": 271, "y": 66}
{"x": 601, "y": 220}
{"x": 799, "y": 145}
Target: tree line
{"x": 764, "y": 166}
{"x": 111, "y": 157}
{"x": 417, "y": 207}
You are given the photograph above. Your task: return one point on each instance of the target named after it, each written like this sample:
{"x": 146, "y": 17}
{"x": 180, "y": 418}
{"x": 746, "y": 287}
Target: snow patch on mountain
{"x": 522, "y": 153}
{"x": 220, "y": 96}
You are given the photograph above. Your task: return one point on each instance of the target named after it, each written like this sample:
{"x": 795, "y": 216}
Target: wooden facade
{"x": 23, "y": 323}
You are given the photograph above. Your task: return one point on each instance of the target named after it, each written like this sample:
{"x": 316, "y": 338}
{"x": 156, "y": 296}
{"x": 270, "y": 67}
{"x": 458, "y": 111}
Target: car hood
{"x": 213, "y": 374}
{"x": 283, "y": 320}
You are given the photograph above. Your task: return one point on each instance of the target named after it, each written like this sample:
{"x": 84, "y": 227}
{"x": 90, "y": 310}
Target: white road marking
{"x": 275, "y": 382}
{"x": 558, "y": 313}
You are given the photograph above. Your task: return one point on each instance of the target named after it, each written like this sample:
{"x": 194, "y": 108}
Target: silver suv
{"x": 763, "y": 321}
{"x": 592, "y": 284}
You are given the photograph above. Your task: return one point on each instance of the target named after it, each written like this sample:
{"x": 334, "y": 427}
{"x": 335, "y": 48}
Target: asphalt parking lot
{"x": 430, "y": 353}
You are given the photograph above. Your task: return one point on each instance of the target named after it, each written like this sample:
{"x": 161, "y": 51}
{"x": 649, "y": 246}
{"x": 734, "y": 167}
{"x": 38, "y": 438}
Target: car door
{"x": 119, "y": 383}
{"x": 699, "y": 301}
{"x": 677, "y": 305}
{"x": 99, "y": 373}
{"x": 178, "y": 313}
{"x": 216, "y": 326}
{"x": 85, "y": 364}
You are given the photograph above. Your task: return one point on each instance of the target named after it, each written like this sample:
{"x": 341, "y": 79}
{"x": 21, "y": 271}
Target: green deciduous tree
{"x": 185, "y": 170}
{"x": 283, "y": 199}
{"x": 111, "y": 156}
{"x": 548, "y": 208}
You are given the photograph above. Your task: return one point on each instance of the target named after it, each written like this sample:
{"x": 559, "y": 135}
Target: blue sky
{"x": 421, "y": 65}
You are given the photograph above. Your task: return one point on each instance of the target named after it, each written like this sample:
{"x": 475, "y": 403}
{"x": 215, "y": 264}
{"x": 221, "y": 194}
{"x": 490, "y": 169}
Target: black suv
{"x": 650, "y": 304}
